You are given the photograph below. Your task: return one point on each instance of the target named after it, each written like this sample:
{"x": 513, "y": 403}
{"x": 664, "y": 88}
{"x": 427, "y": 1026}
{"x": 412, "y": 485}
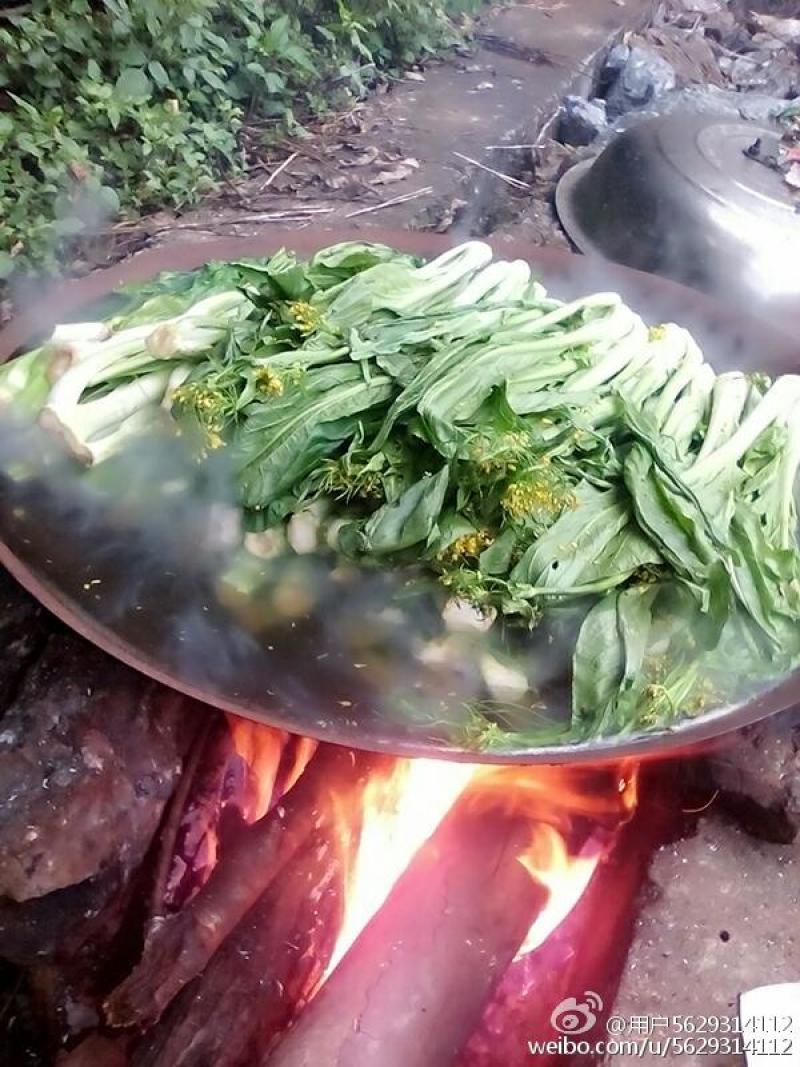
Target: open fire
{"x": 364, "y": 908}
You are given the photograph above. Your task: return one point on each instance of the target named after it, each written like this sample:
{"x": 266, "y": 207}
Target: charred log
{"x": 184, "y": 853}
{"x": 587, "y": 951}
{"x": 409, "y": 990}
{"x": 97, "y": 1051}
{"x": 263, "y": 973}
{"x": 178, "y": 948}
{"x": 89, "y": 755}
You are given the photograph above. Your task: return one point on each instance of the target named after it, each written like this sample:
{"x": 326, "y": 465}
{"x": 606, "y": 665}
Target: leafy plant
{"x": 126, "y": 105}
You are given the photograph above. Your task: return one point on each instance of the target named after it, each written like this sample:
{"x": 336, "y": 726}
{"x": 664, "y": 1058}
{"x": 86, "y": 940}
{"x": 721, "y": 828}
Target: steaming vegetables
{"x": 554, "y": 464}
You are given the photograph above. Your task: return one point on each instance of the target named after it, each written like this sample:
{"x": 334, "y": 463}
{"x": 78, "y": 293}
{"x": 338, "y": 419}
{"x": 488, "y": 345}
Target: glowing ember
{"x": 400, "y": 813}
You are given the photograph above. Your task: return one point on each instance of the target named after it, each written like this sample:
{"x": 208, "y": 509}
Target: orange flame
{"x": 402, "y": 808}
{"x": 565, "y": 877}
{"x": 401, "y": 811}
{"x": 261, "y": 749}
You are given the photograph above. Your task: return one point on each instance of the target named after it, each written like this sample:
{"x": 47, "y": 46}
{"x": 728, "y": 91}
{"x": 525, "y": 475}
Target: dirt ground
{"x": 457, "y": 146}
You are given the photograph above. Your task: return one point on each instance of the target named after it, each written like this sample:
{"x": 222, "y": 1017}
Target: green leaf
{"x": 110, "y": 199}
{"x": 158, "y": 73}
{"x": 411, "y": 520}
{"x": 669, "y": 520}
{"x": 8, "y": 265}
{"x": 449, "y": 528}
{"x": 274, "y": 82}
{"x": 634, "y": 617}
{"x": 598, "y": 662}
{"x": 566, "y": 552}
{"x": 496, "y": 559}
{"x": 212, "y": 79}
{"x": 133, "y": 56}
{"x": 285, "y": 437}
{"x": 133, "y": 86}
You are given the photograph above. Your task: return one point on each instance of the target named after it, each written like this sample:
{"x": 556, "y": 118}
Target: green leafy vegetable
{"x": 554, "y": 465}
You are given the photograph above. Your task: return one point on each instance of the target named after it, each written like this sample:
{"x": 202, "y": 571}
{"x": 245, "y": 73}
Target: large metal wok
{"x": 299, "y": 641}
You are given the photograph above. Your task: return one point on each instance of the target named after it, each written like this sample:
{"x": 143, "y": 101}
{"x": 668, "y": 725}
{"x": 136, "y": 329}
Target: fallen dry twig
{"x": 404, "y": 198}
{"x": 516, "y": 183}
{"x": 278, "y": 171}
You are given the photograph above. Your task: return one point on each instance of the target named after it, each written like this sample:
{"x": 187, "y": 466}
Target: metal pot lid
{"x": 714, "y": 157}
{"x": 679, "y": 196}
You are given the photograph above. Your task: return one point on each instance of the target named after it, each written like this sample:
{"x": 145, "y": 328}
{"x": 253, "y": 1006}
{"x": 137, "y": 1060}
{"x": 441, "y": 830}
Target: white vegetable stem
{"x": 680, "y": 379}
{"x": 71, "y": 385}
{"x": 79, "y": 333}
{"x": 790, "y": 462}
{"x": 192, "y": 333}
{"x": 135, "y": 425}
{"x": 690, "y": 409}
{"x": 177, "y": 378}
{"x": 197, "y": 329}
{"x": 666, "y": 356}
{"x": 80, "y": 424}
{"x": 779, "y": 400}
{"x": 615, "y": 361}
{"x": 499, "y": 283}
{"x": 728, "y": 399}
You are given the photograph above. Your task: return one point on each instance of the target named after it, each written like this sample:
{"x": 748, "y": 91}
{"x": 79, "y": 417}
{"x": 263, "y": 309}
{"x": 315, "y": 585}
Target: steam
{"x": 133, "y": 544}
{"x": 84, "y": 214}
{"x": 148, "y": 547}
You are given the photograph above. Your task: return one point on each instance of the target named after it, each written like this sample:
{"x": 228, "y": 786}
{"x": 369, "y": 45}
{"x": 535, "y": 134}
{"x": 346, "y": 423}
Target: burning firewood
{"x": 265, "y": 970}
{"x": 409, "y": 990}
{"x": 179, "y": 947}
{"x": 586, "y": 950}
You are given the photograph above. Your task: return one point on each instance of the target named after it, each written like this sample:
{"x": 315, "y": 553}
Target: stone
{"x": 90, "y": 753}
{"x": 580, "y": 121}
{"x": 644, "y": 76}
{"x": 767, "y": 72}
{"x": 758, "y": 775}
{"x": 702, "y": 7}
{"x": 786, "y": 30}
{"x": 717, "y": 923}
